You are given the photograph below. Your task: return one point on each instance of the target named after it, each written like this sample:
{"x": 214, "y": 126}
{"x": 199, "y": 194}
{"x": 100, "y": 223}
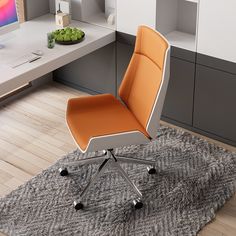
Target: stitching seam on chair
{"x": 149, "y": 59}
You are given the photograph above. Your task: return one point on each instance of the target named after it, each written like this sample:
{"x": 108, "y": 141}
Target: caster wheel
{"x": 63, "y": 172}
{"x": 151, "y": 170}
{"x": 137, "y": 204}
{"x": 104, "y": 152}
{"x": 78, "y": 205}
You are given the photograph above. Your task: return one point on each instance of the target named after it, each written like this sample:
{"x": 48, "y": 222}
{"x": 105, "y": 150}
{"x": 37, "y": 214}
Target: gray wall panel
{"x": 125, "y": 38}
{"x": 36, "y": 8}
{"x": 124, "y": 54}
{"x": 95, "y": 72}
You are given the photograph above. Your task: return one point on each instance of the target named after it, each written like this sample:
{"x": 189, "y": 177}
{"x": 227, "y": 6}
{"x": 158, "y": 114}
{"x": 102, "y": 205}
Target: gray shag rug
{"x": 194, "y": 179}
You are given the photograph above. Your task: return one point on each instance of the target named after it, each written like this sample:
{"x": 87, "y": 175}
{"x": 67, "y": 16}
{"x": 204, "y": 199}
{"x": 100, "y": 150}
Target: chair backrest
{"x": 144, "y": 86}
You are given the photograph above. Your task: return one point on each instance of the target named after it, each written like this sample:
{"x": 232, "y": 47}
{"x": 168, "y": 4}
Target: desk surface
{"x": 32, "y": 36}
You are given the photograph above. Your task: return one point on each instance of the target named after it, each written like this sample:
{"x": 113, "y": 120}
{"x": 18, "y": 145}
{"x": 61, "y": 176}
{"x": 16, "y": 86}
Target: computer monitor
{"x": 8, "y": 16}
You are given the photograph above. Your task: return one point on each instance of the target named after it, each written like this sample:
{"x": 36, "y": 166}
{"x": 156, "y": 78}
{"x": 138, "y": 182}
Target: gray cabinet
{"x": 178, "y": 104}
{"x": 215, "y": 102}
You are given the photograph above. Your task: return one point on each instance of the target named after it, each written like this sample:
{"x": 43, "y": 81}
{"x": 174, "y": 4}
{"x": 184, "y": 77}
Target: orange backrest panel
{"x": 143, "y": 77}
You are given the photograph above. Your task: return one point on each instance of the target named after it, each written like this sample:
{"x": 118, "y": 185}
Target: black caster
{"x": 63, "y": 172}
{"x": 78, "y": 205}
{"x": 137, "y": 204}
{"x": 151, "y": 170}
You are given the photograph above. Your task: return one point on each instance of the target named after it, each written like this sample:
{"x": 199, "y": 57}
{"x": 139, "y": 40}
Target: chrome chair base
{"x": 108, "y": 159}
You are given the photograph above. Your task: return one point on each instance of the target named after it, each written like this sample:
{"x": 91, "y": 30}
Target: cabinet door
{"x": 216, "y": 30}
{"x": 178, "y": 104}
{"x": 132, "y": 13}
{"x": 215, "y": 102}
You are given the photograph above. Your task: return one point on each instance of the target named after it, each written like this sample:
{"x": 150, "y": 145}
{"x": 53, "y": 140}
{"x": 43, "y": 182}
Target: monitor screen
{"x": 8, "y": 14}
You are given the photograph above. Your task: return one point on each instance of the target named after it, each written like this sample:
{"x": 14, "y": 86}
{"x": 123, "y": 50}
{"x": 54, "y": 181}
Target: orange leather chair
{"x": 102, "y": 122}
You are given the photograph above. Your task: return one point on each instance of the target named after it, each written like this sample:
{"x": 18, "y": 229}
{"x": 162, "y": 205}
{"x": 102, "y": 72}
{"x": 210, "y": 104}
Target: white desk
{"x": 32, "y": 36}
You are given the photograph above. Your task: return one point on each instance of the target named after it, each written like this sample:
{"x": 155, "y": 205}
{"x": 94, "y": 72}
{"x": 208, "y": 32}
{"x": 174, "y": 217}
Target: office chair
{"x": 102, "y": 122}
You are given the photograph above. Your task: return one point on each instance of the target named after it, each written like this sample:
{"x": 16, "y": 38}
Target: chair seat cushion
{"x": 99, "y": 115}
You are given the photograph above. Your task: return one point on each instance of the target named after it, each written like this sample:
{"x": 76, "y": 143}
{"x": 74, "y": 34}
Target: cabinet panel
{"x": 95, "y": 72}
{"x": 216, "y": 30}
{"x": 132, "y": 13}
{"x": 183, "y": 54}
{"x": 124, "y": 54}
{"x": 215, "y": 99}
{"x": 216, "y": 63}
{"x": 179, "y": 98}
{"x": 35, "y": 8}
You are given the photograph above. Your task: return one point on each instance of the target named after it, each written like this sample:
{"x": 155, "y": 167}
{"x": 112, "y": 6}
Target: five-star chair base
{"x": 109, "y": 159}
